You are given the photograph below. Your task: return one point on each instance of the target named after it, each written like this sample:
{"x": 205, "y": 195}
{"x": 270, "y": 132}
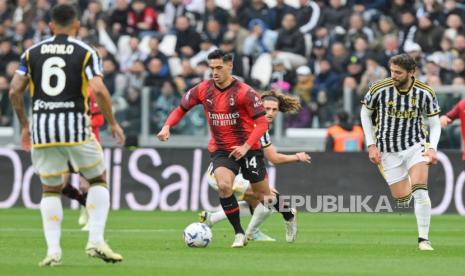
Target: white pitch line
{"x": 78, "y": 230}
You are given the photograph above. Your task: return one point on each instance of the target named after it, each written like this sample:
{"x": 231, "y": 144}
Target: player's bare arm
{"x": 445, "y": 120}
{"x": 102, "y": 96}
{"x": 18, "y": 85}
{"x": 279, "y": 158}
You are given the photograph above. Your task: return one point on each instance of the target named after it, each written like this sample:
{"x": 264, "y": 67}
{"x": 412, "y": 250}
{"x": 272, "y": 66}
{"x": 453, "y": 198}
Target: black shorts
{"x": 252, "y": 165}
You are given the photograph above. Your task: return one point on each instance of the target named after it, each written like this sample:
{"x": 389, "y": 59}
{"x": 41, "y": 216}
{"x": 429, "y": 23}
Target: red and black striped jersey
{"x": 230, "y": 112}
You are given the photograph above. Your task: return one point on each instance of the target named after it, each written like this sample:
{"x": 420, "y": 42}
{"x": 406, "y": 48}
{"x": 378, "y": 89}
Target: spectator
{"x": 130, "y": 117}
{"x": 92, "y": 14}
{"x": 214, "y": 32}
{"x": 358, "y": 29}
{"x": 390, "y": 49}
{"x": 458, "y": 70}
{"x": 260, "y": 40}
{"x": 118, "y": 20}
{"x": 337, "y": 14}
{"x": 227, "y": 46}
{"x": 428, "y": 34}
{"x": 373, "y": 73}
{"x": 407, "y": 28}
{"x": 157, "y": 74}
{"x": 459, "y": 45}
{"x": 344, "y": 136}
{"x": 290, "y": 45}
{"x": 133, "y": 53}
{"x": 281, "y": 74}
{"x": 236, "y": 33}
{"x": 307, "y": 16}
{"x": 454, "y": 25}
{"x": 154, "y": 51}
{"x": 241, "y": 12}
{"x": 136, "y": 75}
{"x": 142, "y": 20}
{"x": 259, "y": 9}
{"x": 282, "y": 9}
{"x": 328, "y": 82}
{"x": 206, "y": 46}
{"x": 187, "y": 39}
{"x": 445, "y": 54}
{"x": 5, "y": 106}
{"x": 385, "y": 26}
{"x": 24, "y": 12}
{"x": 163, "y": 105}
{"x": 212, "y": 12}
{"x": 304, "y": 85}
{"x": 7, "y": 54}
{"x": 173, "y": 10}
{"x": 339, "y": 57}
{"x": 5, "y": 11}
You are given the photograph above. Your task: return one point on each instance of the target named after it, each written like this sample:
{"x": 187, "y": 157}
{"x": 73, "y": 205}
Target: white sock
{"x": 422, "y": 212}
{"x": 260, "y": 214}
{"x": 52, "y": 215}
{"x": 244, "y": 211}
{"x": 98, "y": 204}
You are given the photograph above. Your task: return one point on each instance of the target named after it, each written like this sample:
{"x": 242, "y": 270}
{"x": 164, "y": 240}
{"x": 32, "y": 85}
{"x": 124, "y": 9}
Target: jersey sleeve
{"x": 371, "y": 99}
{"x": 431, "y": 105}
{"x": 265, "y": 140}
{"x": 253, "y": 104}
{"x": 23, "y": 68}
{"x": 93, "y": 66}
{"x": 191, "y": 98}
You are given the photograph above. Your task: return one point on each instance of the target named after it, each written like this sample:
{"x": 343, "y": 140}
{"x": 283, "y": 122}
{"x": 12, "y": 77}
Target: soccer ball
{"x": 197, "y": 235}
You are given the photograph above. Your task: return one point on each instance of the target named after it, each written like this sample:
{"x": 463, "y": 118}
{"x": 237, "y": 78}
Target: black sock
{"x": 73, "y": 193}
{"x": 287, "y": 215}
{"x": 231, "y": 209}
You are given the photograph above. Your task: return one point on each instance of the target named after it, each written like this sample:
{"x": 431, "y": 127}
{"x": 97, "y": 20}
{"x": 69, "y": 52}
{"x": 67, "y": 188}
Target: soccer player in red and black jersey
{"x": 235, "y": 115}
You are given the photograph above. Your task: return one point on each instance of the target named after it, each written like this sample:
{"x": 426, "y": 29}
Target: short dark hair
{"x": 64, "y": 14}
{"x": 405, "y": 61}
{"x": 218, "y": 54}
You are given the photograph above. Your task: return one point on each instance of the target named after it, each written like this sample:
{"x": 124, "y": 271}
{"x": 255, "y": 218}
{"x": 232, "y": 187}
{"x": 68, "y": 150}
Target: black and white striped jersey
{"x": 59, "y": 69}
{"x": 399, "y": 115}
{"x": 265, "y": 140}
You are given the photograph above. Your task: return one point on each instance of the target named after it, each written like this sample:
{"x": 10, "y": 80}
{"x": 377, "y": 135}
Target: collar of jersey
{"x": 227, "y": 87}
{"x": 408, "y": 90}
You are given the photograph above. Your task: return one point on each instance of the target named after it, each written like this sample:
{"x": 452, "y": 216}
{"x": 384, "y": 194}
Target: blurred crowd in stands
{"x": 315, "y": 50}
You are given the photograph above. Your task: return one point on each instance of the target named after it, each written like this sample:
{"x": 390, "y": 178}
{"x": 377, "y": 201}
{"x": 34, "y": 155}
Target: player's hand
{"x": 25, "y": 139}
{"x": 445, "y": 121}
{"x": 117, "y": 133}
{"x": 164, "y": 134}
{"x": 374, "y": 154}
{"x": 304, "y": 157}
{"x": 431, "y": 154}
{"x": 239, "y": 151}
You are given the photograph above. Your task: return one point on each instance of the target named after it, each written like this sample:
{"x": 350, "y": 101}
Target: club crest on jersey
{"x": 414, "y": 101}
{"x": 391, "y": 103}
{"x": 231, "y": 101}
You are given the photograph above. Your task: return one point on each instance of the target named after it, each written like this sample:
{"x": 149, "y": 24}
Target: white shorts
{"x": 50, "y": 163}
{"x": 395, "y": 165}
{"x": 240, "y": 184}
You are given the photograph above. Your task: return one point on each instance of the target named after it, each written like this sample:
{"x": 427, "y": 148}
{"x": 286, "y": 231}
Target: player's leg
{"x": 418, "y": 172}
{"x": 49, "y": 163}
{"x": 70, "y": 192}
{"x": 240, "y": 185}
{"x": 88, "y": 160}
{"x": 83, "y": 217}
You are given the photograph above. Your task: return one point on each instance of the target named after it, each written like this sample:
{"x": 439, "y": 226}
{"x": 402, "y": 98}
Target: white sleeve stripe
{"x": 89, "y": 73}
{"x": 96, "y": 66}
{"x": 19, "y": 72}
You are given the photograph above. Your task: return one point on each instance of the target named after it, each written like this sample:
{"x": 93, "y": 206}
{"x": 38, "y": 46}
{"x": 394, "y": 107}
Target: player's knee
{"x": 98, "y": 181}
{"x": 51, "y": 190}
{"x": 224, "y": 187}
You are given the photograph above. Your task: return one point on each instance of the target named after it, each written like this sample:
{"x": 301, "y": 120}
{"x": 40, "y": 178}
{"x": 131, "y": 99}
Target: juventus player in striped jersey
{"x": 59, "y": 70}
{"x": 399, "y": 146}
{"x": 249, "y": 205}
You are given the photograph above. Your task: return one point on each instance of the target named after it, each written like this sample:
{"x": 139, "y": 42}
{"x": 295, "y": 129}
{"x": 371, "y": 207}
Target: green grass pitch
{"x": 152, "y": 244}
